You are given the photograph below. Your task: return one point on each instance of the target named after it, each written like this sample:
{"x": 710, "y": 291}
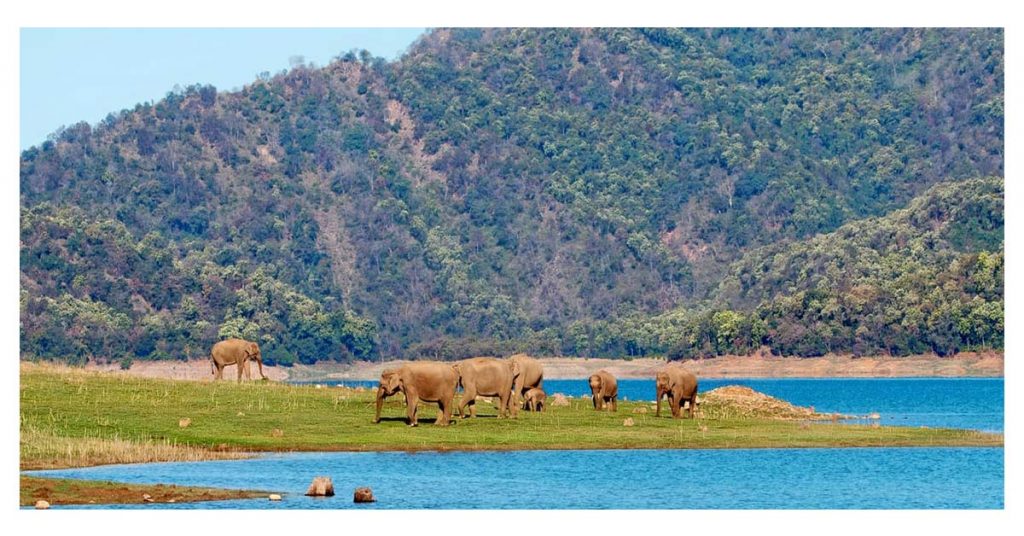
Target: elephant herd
{"x": 516, "y": 381}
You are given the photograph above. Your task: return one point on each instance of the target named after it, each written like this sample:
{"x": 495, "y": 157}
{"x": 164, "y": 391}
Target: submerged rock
{"x": 363, "y": 495}
{"x": 274, "y": 497}
{"x": 321, "y": 487}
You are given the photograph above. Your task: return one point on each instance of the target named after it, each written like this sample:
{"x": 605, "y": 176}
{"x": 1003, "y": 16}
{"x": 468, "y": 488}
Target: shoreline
{"x": 987, "y": 364}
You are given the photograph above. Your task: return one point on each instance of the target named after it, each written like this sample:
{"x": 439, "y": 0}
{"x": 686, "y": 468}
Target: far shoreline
{"x": 986, "y": 364}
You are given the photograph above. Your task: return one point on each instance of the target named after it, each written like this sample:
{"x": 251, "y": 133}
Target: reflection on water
{"x": 654, "y": 479}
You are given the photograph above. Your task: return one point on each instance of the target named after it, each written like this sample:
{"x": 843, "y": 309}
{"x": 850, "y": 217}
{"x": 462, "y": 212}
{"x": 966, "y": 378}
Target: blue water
{"x": 862, "y": 478}
{"x": 970, "y": 403}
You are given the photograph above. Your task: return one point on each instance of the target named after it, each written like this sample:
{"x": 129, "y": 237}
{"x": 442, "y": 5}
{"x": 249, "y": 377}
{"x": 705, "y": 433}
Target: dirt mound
{"x": 736, "y": 401}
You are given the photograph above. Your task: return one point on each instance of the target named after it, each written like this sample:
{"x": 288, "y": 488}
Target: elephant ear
{"x": 515, "y": 368}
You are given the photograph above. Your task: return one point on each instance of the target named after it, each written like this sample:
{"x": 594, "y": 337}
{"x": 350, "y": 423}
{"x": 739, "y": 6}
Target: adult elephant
{"x": 531, "y": 376}
{"x": 427, "y": 381}
{"x": 680, "y": 385}
{"x": 235, "y": 352}
{"x": 605, "y": 389}
{"x": 487, "y": 376}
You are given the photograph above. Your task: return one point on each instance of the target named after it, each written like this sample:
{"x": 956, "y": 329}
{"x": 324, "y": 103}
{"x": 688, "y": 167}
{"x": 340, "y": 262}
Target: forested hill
{"x": 579, "y": 192}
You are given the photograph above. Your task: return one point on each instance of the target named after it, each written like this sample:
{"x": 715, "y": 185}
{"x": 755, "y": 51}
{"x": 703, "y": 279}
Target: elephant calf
{"x": 605, "y": 389}
{"x": 426, "y": 381}
{"x": 535, "y": 399}
{"x": 679, "y": 385}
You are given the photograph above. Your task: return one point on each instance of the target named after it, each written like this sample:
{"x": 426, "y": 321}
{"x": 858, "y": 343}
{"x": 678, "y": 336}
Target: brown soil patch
{"x": 70, "y": 491}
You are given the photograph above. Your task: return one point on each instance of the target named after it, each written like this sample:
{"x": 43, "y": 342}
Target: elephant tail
{"x": 213, "y": 366}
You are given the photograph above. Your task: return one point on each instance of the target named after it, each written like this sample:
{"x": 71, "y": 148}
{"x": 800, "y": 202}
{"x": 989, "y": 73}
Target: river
{"x": 838, "y": 478}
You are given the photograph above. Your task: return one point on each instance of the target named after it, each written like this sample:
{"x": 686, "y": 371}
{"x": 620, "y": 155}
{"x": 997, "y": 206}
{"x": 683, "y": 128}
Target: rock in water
{"x": 274, "y": 497}
{"x": 363, "y": 495}
{"x": 42, "y": 505}
{"x": 321, "y": 487}
{"x": 559, "y": 400}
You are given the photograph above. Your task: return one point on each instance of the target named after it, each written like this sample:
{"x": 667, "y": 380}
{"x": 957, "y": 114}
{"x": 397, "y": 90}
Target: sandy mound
{"x": 735, "y": 401}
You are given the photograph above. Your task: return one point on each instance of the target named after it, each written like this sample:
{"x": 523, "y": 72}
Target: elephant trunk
{"x": 260, "y": 363}
{"x": 380, "y": 402}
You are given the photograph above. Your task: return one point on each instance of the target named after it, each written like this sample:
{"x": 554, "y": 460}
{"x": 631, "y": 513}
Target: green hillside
{"x": 579, "y": 192}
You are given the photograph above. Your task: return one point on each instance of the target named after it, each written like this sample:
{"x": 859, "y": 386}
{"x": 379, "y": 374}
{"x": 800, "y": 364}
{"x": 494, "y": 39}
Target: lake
{"x": 971, "y": 403}
{"x": 873, "y": 478}
{"x": 860, "y": 478}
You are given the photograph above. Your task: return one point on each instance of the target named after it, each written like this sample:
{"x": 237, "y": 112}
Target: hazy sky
{"x": 72, "y": 75}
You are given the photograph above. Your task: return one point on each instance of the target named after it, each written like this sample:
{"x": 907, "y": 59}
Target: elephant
{"x": 427, "y": 381}
{"x": 679, "y": 384}
{"x": 531, "y": 375}
{"x": 605, "y": 390}
{"x": 535, "y": 399}
{"x": 235, "y": 352}
{"x": 487, "y": 376}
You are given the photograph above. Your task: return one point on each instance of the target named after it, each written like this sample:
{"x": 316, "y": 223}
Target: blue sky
{"x": 70, "y": 75}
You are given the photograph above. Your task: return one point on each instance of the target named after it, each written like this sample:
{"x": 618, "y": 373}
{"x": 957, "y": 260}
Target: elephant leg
{"x": 657, "y": 411}
{"x": 248, "y": 370}
{"x": 220, "y": 372}
{"x": 614, "y": 406}
{"x": 506, "y": 406}
{"x": 676, "y": 402}
{"x": 468, "y": 399}
{"x": 411, "y": 403}
{"x": 239, "y": 367}
{"x": 446, "y": 409}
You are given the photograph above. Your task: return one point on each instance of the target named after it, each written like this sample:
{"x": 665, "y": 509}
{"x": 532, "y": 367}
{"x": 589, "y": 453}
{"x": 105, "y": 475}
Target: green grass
{"x": 76, "y": 406}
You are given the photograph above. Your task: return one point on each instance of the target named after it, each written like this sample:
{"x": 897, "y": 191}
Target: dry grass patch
{"x": 45, "y": 450}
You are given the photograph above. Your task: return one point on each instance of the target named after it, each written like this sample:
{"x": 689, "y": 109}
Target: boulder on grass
{"x": 363, "y": 495}
{"x": 628, "y": 421}
{"x": 321, "y": 487}
{"x": 183, "y": 423}
{"x": 559, "y": 400}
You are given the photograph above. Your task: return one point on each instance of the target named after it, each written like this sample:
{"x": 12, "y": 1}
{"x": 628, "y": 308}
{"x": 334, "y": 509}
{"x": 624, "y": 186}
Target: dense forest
{"x": 605, "y": 192}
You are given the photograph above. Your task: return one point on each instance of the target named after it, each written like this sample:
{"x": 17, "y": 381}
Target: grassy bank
{"x": 63, "y": 410}
{"x": 58, "y": 491}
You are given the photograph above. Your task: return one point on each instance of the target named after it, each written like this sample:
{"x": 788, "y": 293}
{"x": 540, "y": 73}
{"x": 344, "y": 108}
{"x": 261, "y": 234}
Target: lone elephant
{"x": 535, "y": 399}
{"x": 487, "y": 376}
{"x": 605, "y": 389}
{"x": 235, "y": 352}
{"x": 679, "y": 385}
{"x": 427, "y": 381}
{"x": 531, "y": 375}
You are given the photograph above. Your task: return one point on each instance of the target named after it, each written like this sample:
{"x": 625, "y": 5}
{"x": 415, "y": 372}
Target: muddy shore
{"x": 967, "y": 364}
